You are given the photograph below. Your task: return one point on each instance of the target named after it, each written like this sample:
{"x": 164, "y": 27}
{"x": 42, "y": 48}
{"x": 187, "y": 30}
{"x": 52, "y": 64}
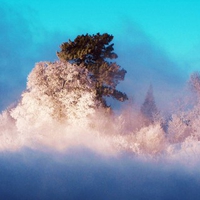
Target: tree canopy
{"x": 94, "y": 52}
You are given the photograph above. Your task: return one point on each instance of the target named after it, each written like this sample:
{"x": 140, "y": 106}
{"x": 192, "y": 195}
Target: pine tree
{"x": 93, "y": 53}
{"x": 148, "y": 108}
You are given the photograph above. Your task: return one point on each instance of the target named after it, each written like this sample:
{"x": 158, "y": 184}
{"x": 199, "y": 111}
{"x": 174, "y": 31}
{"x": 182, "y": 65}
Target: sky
{"x": 157, "y": 43}
{"x": 171, "y": 25}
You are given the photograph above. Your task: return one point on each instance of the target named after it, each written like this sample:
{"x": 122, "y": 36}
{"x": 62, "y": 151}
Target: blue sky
{"x": 173, "y": 25}
{"x": 157, "y": 41}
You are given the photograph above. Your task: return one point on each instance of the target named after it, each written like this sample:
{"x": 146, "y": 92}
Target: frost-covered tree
{"x": 9, "y": 137}
{"x": 194, "y": 112}
{"x": 55, "y": 91}
{"x": 185, "y": 123}
{"x": 148, "y": 108}
{"x": 178, "y": 128}
{"x": 194, "y": 83}
{"x": 93, "y": 52}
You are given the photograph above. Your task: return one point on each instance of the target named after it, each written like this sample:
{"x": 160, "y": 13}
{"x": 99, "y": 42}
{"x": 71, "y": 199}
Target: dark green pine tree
{"x": 94, "y": 53}
{"x": 148, "y": 108}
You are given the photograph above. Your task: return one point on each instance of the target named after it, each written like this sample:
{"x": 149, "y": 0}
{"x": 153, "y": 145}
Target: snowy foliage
{"x": 185, "y": 123}
{"x": 59, "y": 110}
{"x": 149, "y": 140}
{"x": 55, "y": 91}
{"x": 9, "y": 136}
{"x": 178, "y": 128}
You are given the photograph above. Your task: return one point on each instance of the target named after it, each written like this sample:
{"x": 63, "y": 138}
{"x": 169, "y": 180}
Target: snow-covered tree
{"x": 55, "y": 91}
{"x": 186, "y": 122}
{"x": 194, "y": 83}
{"x": 178, "y": 128}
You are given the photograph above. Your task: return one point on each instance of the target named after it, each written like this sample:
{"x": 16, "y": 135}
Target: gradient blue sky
{"x": 173, "y": 25}
{"x": 157, "y": 41}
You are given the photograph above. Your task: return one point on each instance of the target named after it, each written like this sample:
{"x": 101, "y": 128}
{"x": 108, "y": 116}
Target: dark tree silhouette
{"x": 93, "y": 53}
{"x": 148, "y": 108}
